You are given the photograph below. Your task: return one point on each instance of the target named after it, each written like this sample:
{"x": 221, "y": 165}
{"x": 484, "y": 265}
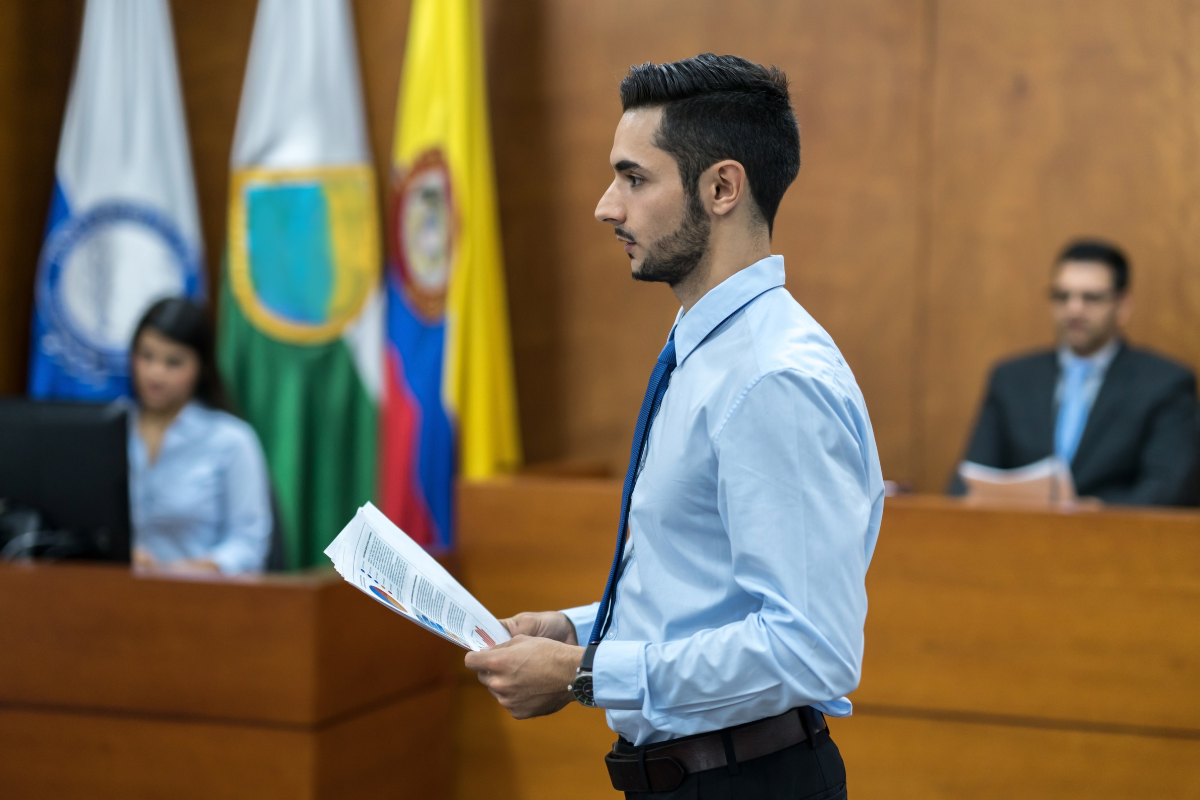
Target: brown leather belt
{"x": 662, "y": 767}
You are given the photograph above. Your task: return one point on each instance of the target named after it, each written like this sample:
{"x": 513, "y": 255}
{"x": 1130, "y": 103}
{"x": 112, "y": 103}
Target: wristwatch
{"x": 581, "y": 687}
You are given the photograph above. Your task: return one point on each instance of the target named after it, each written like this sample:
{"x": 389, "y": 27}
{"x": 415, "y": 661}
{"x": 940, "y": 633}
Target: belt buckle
{"x": 642, "y": 774}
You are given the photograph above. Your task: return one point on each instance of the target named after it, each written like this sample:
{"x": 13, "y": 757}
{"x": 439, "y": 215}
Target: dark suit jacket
{"x": 1141, "y": 443}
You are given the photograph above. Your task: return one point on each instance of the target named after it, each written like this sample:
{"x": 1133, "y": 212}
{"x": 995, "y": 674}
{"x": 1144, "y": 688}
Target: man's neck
{"x": 720, "y": 262}
{"x": 1094, "y": 351}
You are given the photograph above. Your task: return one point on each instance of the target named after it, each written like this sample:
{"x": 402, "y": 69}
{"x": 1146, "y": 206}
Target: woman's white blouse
{"x": 206, "y": 496}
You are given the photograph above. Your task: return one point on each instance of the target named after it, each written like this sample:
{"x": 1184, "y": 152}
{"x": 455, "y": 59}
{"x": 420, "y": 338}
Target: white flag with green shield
{"x": 300, "y": 307}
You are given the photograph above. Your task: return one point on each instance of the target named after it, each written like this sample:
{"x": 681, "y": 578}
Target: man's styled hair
{"x": 722, "y": 107}
{"x": 1100, "y": 251}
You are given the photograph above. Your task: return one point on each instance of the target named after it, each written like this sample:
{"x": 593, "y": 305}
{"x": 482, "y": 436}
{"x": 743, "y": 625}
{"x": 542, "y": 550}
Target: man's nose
{"x": 608, "y": 210}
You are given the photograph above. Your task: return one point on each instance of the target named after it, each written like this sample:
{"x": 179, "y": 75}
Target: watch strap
{"x": 589, "y": 657}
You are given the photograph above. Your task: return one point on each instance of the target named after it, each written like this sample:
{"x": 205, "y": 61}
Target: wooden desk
{"x": 1008, "y": 652}
{"x": 115, "y": 685}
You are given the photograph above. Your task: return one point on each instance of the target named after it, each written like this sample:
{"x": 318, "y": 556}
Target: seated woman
{"x": 199, "y": 496}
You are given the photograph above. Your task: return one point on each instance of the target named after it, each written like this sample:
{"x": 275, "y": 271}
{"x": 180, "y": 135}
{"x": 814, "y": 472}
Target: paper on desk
{"x": 1043, "y": 482}
{"x": 383, "y": 562}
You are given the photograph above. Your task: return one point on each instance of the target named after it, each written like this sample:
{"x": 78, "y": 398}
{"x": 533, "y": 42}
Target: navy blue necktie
{"x": 659, "y": 379}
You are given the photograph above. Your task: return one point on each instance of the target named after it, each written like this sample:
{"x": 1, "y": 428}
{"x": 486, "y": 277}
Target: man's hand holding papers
{"x": 529, "y": 674}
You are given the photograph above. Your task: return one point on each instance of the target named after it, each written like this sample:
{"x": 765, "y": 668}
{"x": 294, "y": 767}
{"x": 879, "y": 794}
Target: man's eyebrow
{"x": 625, "y": 164}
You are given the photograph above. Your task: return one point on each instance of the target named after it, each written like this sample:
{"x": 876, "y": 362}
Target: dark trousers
{"x": 800, "y": 772}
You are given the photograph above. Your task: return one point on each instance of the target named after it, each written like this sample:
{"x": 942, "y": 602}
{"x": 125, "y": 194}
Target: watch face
{"x": 582, "y": 689}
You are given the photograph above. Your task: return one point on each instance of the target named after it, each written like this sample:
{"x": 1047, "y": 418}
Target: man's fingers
{"x": 477, "y": 660}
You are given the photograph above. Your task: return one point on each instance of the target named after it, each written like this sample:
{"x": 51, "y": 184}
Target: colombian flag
{"x": 450, "y": 405}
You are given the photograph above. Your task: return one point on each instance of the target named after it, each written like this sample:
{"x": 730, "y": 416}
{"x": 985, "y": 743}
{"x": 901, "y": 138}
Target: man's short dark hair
{"x": 1102, "y": 252}
{"x": 722, "y": 107}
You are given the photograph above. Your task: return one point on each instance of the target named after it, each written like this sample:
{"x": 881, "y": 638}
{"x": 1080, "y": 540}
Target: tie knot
{"x": 1079, "y": 369}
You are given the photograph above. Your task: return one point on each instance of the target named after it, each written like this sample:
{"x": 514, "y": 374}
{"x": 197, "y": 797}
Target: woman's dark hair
{"x": 185, "y": 323}
{"x": 719, "y": 107}
{"x": 1102, "y": 252}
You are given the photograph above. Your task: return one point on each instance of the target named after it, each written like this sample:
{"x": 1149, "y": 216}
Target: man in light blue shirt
{"x": 733, "y": 619}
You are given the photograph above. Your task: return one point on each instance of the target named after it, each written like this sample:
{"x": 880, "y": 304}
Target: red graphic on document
{"x": 484, "y": 635}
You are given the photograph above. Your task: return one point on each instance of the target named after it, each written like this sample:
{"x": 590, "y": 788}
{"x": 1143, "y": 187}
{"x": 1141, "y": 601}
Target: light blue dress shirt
{"x": 751, "y": 526}
{"x": 206, "y": 495}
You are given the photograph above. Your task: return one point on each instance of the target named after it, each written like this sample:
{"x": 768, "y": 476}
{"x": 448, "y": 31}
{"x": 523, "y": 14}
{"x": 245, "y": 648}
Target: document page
{"x": 1045, "y": 482}
{"x": 383, "y": 562}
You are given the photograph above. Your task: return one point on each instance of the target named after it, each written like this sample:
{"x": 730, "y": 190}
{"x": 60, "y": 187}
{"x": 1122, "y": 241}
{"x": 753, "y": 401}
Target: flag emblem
{"x": 303, "y": 249}
{"x": 423, "y": 228}
{"x": 98, "y": 273}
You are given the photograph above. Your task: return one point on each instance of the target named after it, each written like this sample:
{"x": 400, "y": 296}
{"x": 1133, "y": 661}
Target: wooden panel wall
{"x": 1053, "y": 120}
{"x": 37, "y": 46}
{"x": 949, "y": 150}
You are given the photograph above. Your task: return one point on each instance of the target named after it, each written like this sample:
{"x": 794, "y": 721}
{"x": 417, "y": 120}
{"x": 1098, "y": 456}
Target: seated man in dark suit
{"x": 1125, "y": 419}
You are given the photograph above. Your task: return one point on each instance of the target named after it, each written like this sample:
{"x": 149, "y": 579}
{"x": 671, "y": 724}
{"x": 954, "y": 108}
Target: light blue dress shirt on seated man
{"x": 206, "y": 496}
{"x": 752, "y": 522}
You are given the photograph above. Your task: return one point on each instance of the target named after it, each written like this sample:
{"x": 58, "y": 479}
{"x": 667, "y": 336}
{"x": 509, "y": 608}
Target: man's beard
{"x": 677, "y": 255}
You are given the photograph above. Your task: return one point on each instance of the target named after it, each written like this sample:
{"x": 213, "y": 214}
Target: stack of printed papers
{"x": 1045, "y": 482}
{"x": 383, "y": 562}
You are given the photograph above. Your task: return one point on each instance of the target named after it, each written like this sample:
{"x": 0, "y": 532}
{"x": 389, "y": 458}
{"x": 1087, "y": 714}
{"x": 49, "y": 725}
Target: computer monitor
{"x": 68, "y": 462}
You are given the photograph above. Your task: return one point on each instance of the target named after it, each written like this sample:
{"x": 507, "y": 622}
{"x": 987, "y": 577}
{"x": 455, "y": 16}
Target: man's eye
{"x": 634, "y": 180}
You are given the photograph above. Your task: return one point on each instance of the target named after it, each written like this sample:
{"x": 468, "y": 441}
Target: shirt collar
{"x": 1099, "y": 359}
{"x": 187, "y": 422}
{"x": 722, "y": 301}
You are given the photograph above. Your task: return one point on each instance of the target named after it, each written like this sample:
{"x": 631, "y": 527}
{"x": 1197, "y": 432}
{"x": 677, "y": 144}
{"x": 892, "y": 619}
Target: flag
{"x": 301, "y": 317}
{"x": 450, "y": 403}
{"x": 123, "y": 229}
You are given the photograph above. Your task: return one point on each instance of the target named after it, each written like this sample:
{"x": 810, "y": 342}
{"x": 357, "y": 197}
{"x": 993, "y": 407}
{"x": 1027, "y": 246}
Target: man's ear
{"x": 1124, "y": 308}
{"x": 723, "y": 187}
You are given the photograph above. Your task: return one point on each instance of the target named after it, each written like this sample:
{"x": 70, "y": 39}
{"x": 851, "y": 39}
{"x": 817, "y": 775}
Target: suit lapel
{"x": 1041, "y": 397}
{"x": 1106, "y": 406}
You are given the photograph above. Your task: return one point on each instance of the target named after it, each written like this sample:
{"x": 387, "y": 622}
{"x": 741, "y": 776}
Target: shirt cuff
{"x": 583, "y": 618}
{"x": 234, "y": 558}
{"x": 617, "y": 675}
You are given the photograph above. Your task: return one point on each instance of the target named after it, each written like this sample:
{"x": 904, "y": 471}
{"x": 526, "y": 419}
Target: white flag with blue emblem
{"x": 124, "y": 229}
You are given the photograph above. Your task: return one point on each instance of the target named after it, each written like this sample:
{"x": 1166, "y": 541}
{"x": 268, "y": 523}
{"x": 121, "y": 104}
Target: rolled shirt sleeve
{"x": 798, "y": 493}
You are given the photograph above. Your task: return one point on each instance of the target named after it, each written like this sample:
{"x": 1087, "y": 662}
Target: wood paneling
{"x": 1008, "y": 652}
{"x": 37, "y": 47}
{"x": 533, "y": 544}
{"x": 71, "y": 755}
{"x": 113, "y": 684}
{"x": 289, "y": 650}
{"x": 902, "y": 759}
{"x": 401, "y": 749}
{"x": 549, "y": 758}
{"x": 1053, "y": 120}
{"x": 396, "y": 751}
{"x": 1087, "y": 616}
{"x": 575, "y": 541}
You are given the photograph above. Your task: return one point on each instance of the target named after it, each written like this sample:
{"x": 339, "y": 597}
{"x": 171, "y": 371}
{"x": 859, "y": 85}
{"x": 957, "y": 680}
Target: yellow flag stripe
{"x": 443, "y": 105}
